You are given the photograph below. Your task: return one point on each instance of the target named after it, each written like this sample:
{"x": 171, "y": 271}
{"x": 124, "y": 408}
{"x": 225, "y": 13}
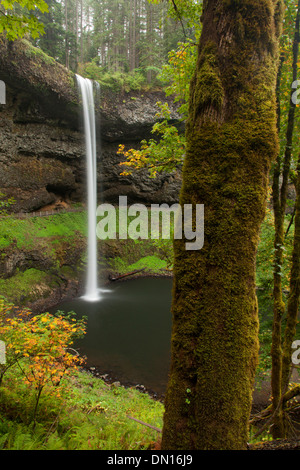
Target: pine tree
{"x": 51, "y": 41}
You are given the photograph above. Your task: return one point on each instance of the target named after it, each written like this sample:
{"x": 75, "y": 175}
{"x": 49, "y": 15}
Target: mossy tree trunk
{"x": 279, "y": 378}
{"x": 292, "y": 312}
{"x": 294, "y": 294}
{"x": 231, "y": 141}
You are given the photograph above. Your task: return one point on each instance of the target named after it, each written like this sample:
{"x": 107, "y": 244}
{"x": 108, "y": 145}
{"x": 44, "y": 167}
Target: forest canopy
{"x": 94, "y": 37}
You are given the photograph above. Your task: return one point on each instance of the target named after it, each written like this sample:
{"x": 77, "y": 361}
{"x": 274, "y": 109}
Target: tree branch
{"x": 145, "y": 424}
{"x": 179, "y": 17}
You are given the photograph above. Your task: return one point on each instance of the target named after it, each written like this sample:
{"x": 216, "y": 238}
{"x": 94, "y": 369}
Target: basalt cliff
{"x": 42, "y": 160}
{"x": 43, "y": 168}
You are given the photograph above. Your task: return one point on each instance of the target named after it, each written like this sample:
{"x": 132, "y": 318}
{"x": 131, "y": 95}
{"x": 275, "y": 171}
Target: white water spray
{"x": 92, "y": 293}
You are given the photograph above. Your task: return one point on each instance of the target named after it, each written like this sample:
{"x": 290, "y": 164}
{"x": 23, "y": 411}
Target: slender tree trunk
{"x": 76, "y": 36}
{"x": 279, "y": 385}
{"x": 40, "y": 389}
{"x": 81, "y": 31}
{"x": 278, "y": 308}
{"x": 149, "y": 9}
{"x": 66, "y": 35}
{"x": 132, "y": 32}
{"x": 294, "y": 293}
{"x": 88, "y": 32}
{"x": 231, "y": 141}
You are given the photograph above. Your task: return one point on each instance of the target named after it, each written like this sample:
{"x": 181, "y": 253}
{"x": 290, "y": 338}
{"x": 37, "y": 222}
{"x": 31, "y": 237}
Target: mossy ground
{"x": 59, "y": 246}
{"x": 89, "y": 415}
{"x": 28, "y": 231}
{"x": 44, "y": 251}
{"x": 28, "y": 285}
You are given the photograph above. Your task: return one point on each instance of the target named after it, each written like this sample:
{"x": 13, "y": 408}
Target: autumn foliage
{"x": 40, "y": 346}
{"x": 156, "y": 155}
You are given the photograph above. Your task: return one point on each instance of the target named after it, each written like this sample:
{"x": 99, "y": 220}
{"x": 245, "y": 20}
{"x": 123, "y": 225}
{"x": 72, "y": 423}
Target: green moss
{"x": 55, "y": 245}
{"x": 208, "y": 90}
{"x": 130, "y": 255}
{"x": 151, "y": 263}
{"x": 28, "y": 231}
{"x": 41, "y": 74}
{"x": 25, "y": 286}
{"x": 36, "y": 53}
{"x": 231, "y": 141}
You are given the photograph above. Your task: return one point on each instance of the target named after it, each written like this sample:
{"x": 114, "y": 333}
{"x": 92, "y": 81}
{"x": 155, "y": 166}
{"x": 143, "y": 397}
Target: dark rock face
{"x": 38, "y": 156}
{"x": 13, "y": 259}
{"x": 42, "y": 157}
{"x": 138, "y": 187}
{"x": 127, "y": 119}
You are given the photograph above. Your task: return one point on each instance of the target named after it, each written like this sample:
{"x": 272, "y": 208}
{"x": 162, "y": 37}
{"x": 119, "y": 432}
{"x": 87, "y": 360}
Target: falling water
{"x": 86, "y": 90}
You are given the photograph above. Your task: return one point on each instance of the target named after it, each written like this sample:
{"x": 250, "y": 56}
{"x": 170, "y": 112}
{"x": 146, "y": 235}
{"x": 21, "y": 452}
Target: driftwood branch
{"x": 179, "y": 17}
{"x": 74, "y": 351}
{"x": 125, "y": 275}
{"x": 145, "y": 424}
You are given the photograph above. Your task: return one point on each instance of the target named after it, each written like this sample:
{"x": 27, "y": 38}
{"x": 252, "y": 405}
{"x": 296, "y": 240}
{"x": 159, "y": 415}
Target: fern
{"x": 3, "y": 440}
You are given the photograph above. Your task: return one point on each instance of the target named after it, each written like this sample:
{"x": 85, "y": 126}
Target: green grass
{"x": 26, "y": 232}
{"x": 34, "y": 52}
{"x": 55, "y": 242}
{"x": 152, "y": 263}
{"x": 89, "y": 415}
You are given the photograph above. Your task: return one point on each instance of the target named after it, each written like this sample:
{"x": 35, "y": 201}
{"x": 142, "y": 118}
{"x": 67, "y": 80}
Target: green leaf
{"x": 16, "y": 26}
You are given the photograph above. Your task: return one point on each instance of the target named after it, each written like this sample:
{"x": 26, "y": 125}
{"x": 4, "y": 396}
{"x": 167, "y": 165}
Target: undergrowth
{"x": 120, "y": 81}
{"x": 89, "y": 415}
{"x": 26, "y": 232}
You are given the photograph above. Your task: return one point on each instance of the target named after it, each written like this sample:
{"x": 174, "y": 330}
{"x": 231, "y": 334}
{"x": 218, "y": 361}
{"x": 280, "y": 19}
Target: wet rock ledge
{"x": 41, "y": 138}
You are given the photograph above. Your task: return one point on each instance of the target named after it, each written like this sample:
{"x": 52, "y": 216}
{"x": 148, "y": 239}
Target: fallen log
{"x": 112, "y": 279}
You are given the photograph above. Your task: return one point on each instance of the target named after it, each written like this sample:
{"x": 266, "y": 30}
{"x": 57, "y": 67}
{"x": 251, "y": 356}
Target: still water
{"x": 129, "y": 331}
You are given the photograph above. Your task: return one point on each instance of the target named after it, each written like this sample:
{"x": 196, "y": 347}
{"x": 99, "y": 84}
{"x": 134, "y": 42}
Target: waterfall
{"x": 92, "y": 293}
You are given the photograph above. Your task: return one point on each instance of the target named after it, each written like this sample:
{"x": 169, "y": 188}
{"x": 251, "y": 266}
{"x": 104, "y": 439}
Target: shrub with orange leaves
{"x": 40, "y": 345}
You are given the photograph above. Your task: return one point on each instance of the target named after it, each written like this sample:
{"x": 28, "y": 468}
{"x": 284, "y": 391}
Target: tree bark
{"x": 294, "y": 293}
{"x": 280, "y": 377}
{"x": 149, "y": 21}
{"x": 66, "y": 36}
{"x": 132, "y": 35}
{"x": 231, "y": 141}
